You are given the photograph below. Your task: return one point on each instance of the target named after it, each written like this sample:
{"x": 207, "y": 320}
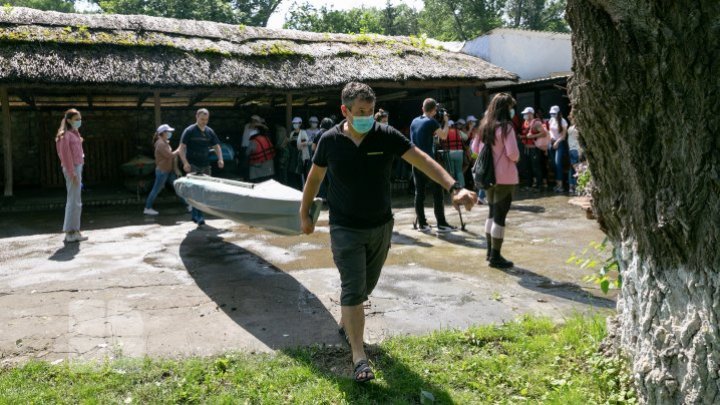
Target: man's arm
{"x": 218, "y": 152}
{"x": 182, "y": 153}
{"x": 312, "y": 186}
{"x": 436, "y": 173}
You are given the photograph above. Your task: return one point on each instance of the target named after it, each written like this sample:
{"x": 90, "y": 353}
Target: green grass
{"x": 532, "y": 360}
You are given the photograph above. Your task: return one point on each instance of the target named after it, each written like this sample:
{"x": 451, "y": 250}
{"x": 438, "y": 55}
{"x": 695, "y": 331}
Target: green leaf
{"x": 605, "y": 286}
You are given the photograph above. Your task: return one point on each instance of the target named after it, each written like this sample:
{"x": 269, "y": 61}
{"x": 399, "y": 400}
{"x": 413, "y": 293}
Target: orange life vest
{"x": 264, "y": 150}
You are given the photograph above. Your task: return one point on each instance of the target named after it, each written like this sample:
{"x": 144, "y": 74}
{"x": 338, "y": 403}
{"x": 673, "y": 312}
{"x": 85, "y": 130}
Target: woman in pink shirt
{"x": 69, "y": 148}
{"x": 496, "y": 130}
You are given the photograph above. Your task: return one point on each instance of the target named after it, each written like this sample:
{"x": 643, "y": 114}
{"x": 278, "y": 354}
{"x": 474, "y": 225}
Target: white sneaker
{"x": 150, "y": 211}
{"x": 70, "y": 237}
{"x": 79, "y": 237}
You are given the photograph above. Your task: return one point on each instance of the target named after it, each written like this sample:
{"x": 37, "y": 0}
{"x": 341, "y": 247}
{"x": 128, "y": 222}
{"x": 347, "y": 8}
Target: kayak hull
{"x": 268, "y": 205}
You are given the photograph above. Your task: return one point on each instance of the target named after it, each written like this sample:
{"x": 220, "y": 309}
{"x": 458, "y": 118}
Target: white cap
{"x": 451, "y": 123}
{"x": 313, "y": 119}
{"x": 165, "y": 128}
{"x": 461, "y": 121}
{"x": 297, "y": 120}
{"x": 554, "y": 109}
{"x": 528, "y": 110}
{"x": 471, "y": 118}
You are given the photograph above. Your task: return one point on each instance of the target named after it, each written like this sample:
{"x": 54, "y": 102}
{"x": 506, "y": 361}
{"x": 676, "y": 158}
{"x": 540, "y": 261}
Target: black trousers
{"x": 421, "y": 182}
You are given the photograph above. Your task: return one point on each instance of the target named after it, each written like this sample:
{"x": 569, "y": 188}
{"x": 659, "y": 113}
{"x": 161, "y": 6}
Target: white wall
{"x": 529, "y": 54}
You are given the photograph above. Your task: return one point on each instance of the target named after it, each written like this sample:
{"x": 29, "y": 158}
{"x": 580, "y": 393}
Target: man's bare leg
{"x": 353, "y": 320}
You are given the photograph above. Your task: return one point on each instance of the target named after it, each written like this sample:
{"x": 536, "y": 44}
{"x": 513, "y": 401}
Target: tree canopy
{"x": 448, "y": 20}
{"x": 249, "y": 12}
{"x": 49, "y": 5}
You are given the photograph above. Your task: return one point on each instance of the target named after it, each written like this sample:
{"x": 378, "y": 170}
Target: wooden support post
{"x": 158, "y": 113}
{"x": 7, "y": 141}
{"x": 288, "y": 111}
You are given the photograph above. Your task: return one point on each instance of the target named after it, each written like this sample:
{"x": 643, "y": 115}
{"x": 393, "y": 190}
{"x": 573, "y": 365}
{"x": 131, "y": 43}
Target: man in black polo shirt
{"x": 423, "y": 131}
{"x": 195, "y": 142}
{"x": 358, "y": 153}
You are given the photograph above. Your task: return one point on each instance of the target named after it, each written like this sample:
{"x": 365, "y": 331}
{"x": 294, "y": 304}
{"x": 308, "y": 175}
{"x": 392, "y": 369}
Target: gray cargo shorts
{"x": 359, "y": 255}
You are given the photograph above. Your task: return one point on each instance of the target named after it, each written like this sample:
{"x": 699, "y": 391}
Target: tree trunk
{"x": 645, "y": 94}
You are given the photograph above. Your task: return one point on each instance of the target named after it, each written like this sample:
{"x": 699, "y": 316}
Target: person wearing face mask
{"x": 261, "y": 154}
{"x": 358, "y": 154}
{"x": 423, "y": 131}
{"x": 558, "y": 148}
{"x": 68, "y": 143}
{"x": 164, "y": 157}
{"x": 294, "y": 165}
{"x": 453, "y": 152}
{"x": 497, "y": 132}
{"x": 533, "y": 136}
{"x": 313, "y": 131}
{"x": 251, "y": 129}
{"x": 302, "y": 142}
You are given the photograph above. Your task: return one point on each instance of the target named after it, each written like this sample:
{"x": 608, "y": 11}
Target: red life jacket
{"x": 453, "y": 141}
{"x": 264, "y": 150}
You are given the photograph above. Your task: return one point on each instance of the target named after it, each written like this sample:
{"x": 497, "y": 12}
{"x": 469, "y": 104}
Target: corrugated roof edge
{"x": 534, "y": 32}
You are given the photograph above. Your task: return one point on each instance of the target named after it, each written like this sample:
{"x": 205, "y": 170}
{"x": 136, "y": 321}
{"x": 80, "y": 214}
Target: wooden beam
{"x": 7, "y": 141}
{"x": 158, "y": 112}
{"x": 431, "y": 84}
{"x": 198, "y": 98}
{"x": 27, "y": 99}
{"x": 288, "y": 111}
{"x": 90, "y": 102}
{"x": 242, "y": 100}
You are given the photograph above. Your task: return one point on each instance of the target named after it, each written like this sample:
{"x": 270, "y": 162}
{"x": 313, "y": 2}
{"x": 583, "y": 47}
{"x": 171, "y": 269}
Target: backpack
{"x": 484, "y": 169}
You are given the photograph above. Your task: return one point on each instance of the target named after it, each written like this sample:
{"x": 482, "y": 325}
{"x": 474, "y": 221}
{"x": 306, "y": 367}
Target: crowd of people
{"x": 362, "y": 154}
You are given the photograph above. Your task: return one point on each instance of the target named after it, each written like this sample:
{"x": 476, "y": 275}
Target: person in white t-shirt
{"x": 558, "y": 148}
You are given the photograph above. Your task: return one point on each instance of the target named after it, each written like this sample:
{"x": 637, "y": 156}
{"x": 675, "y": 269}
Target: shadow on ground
{"x": 93, "y": 218}
{"x": 569, "y": 291}
{"x": 66, "y": 253}
{"x": 259, "y": 297}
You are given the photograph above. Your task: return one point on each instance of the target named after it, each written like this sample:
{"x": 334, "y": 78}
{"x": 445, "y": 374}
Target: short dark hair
{"x": 326, "y": 123}
{"x": 354, "y": 91}
{"x": 429, "y": 104}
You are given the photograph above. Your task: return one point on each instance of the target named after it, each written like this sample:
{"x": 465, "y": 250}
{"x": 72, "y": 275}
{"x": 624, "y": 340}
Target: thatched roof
{"x": 38, "y": 47}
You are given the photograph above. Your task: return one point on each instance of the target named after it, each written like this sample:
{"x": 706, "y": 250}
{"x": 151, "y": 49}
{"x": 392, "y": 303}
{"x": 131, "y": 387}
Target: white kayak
{"x": 269, "y": 205}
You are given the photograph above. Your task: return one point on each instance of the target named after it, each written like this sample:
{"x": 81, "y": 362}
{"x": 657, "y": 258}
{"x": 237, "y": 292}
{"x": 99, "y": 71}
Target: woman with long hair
{"x": 164, "y": 157}
{"x": 496, "y": 131}
{"x": 68, "y": 143}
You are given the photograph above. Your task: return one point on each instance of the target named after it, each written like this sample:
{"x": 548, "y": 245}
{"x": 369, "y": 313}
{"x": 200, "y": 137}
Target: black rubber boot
{"x": 496, "y": 259}
{"x": 488, "y": 242}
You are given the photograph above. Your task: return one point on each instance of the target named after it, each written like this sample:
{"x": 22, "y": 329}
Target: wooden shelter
{"x": 128, "y": 69}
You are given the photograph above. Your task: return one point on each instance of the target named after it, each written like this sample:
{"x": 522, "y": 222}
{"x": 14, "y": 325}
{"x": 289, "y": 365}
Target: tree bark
{"x": 646, "y": 98}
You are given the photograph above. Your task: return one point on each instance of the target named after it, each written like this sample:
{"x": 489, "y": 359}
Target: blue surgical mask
{"x": 363, "y": 124}
{"x": 169, "y": 135}
{"x": 512, "y": 113}
{"x": 76, "y": 124}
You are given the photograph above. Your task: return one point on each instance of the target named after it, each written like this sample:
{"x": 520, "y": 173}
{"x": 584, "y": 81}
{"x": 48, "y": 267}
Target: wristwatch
{"x": 455, "y": 187}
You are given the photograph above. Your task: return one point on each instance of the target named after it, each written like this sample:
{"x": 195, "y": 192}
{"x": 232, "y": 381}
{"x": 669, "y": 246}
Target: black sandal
{"x": 361, "y": 367}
